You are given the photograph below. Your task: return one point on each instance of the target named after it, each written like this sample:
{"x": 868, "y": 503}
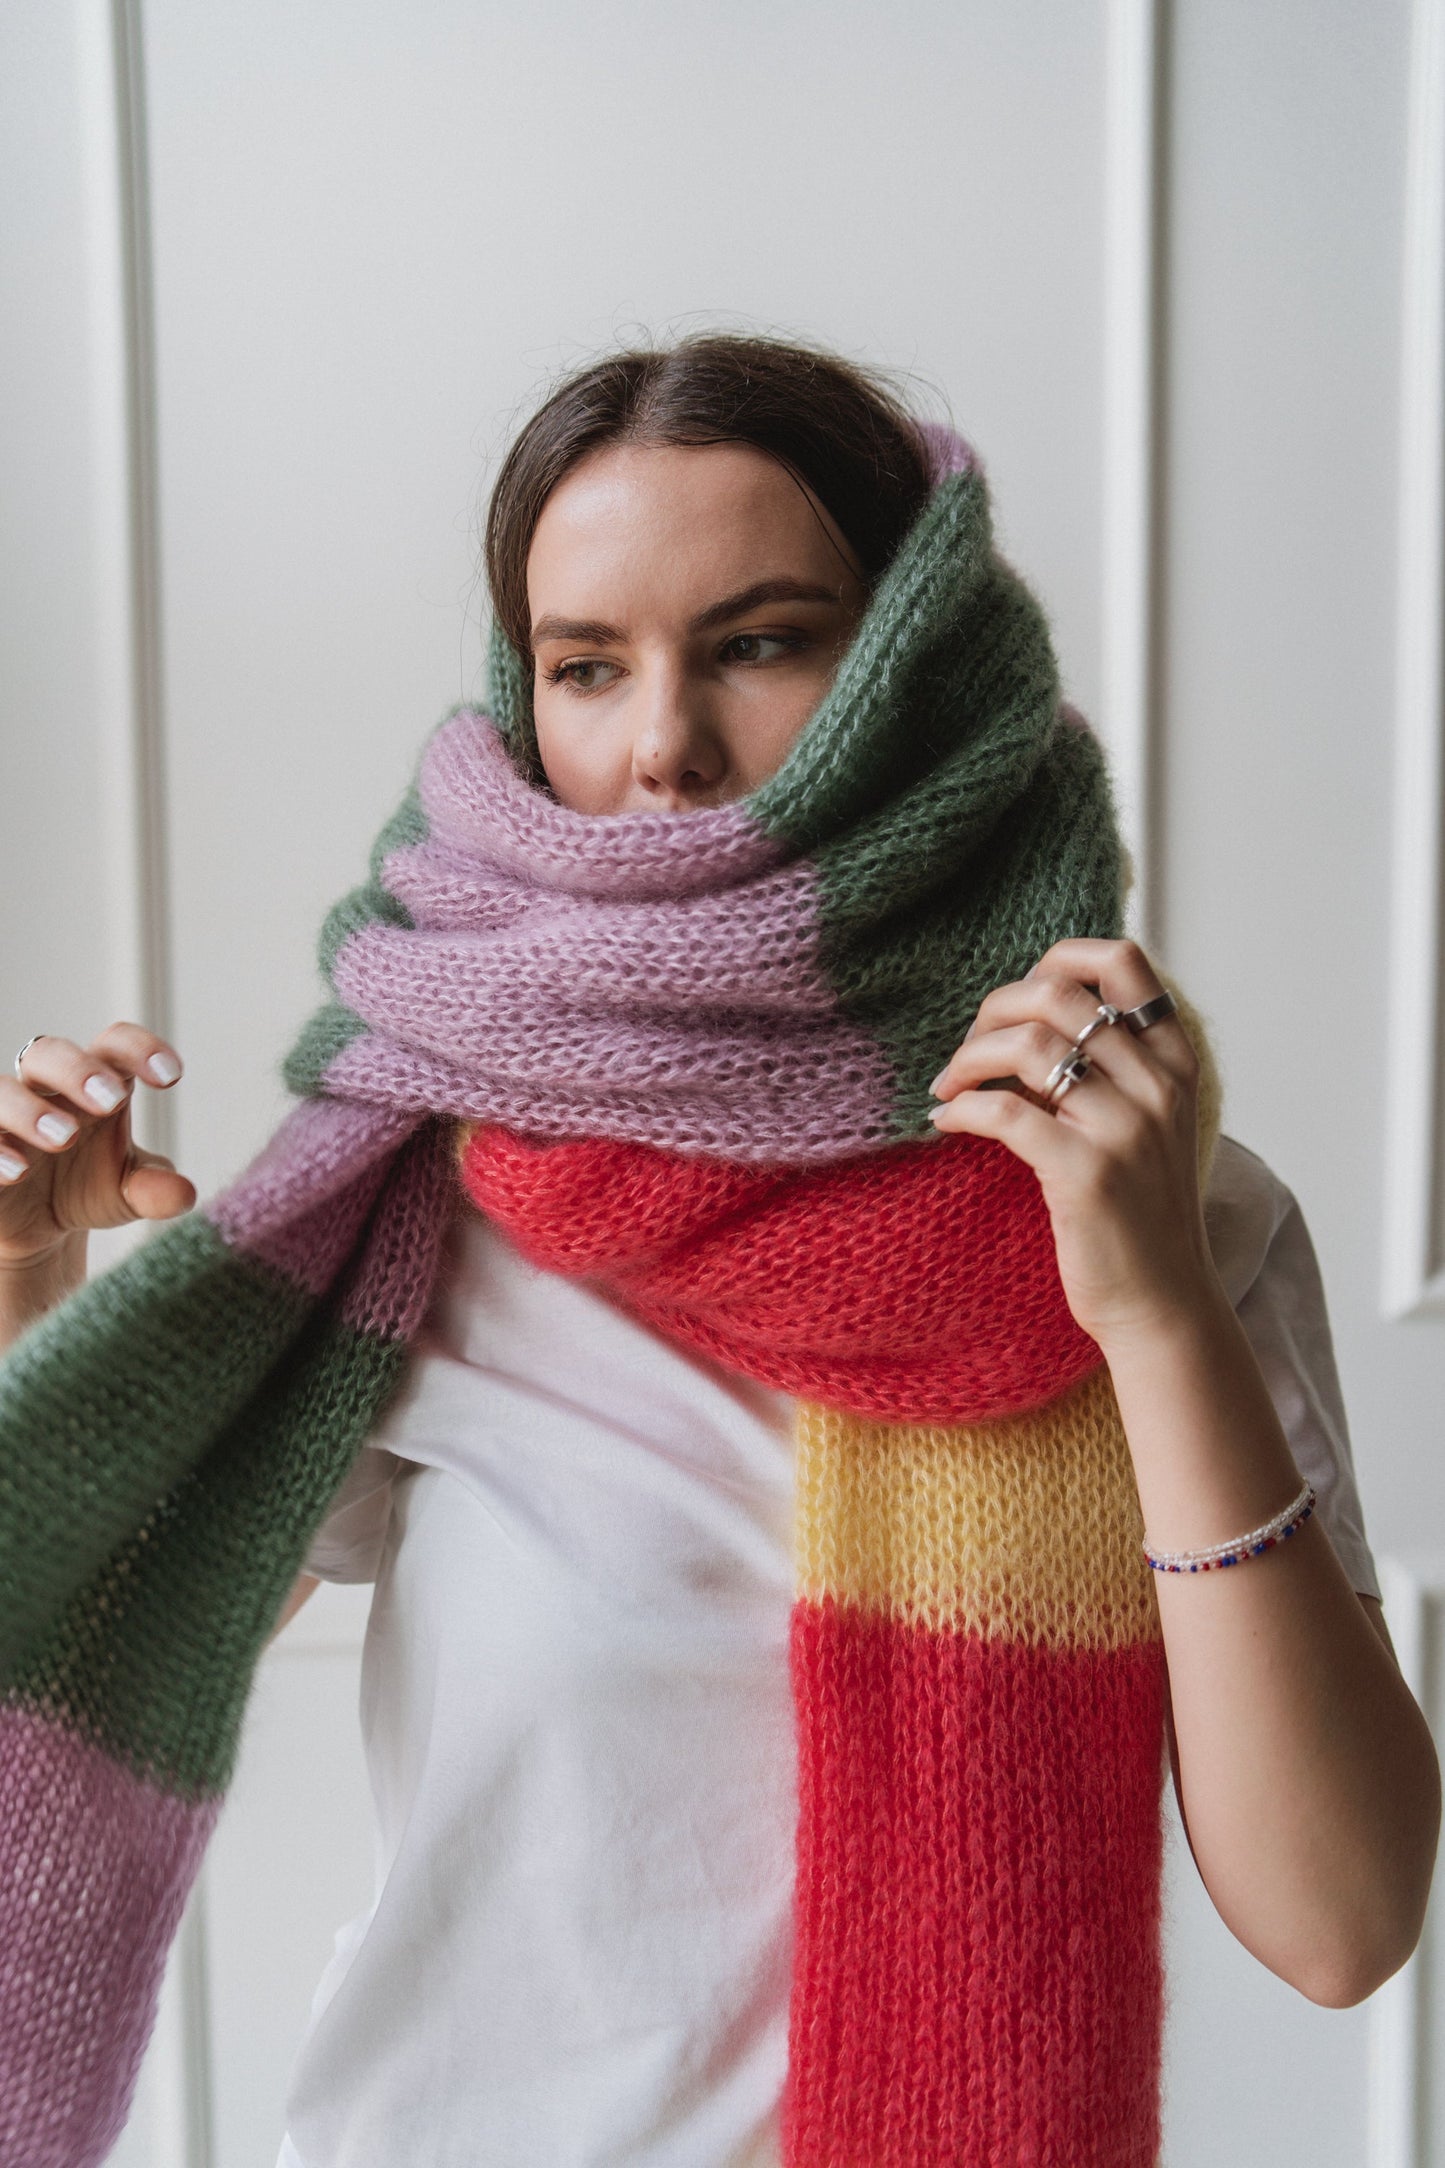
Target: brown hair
{"x": 833, "y": 425}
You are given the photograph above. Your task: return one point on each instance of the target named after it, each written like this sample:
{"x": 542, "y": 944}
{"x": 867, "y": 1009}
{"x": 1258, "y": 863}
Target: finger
{"x": 1121, "y": 969}
{"x": 1023, "y": 1052}
{"x": 1028, "y": 1131}
{"x": 139, "y": 1053}
{"x": 32, "y": 1120}
{"x": 1060, "y": 1005}
{"x": 13, "y": 1162}
{"x": 1032, "y": 1052}
{"x": 56, "y": 1068}
{"x": 152, "y": 1188}
{"x": 1120, "y": 973}
{"x": 1060, "y": 1012}
{"x": 1126, "y": 977}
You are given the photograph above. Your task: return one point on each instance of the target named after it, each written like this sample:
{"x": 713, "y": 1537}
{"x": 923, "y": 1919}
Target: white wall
{"x": 375, "y": 229}
{"x": 58, "y": 360}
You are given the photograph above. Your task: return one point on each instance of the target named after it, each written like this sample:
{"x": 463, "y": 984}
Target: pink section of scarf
{"x": 91, "y": 1843}
{"x": 326, "y": 1184}
{"x": 649, "y": 977}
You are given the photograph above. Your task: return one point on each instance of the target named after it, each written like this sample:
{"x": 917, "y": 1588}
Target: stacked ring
{"x": 1149, "y": 1012}
{"x": 1064, "y": 1075}
{"x": 1075, "y": 1065}
{"x": 1106, "y": 1013}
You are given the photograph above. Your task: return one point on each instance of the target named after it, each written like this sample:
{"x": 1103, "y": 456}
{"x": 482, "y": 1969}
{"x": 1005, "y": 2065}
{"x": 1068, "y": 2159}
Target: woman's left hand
{"x": 1118, "y": 1159}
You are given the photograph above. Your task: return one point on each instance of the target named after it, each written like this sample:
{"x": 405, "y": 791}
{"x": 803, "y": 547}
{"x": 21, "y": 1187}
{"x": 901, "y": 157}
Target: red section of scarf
{"x": 978, "y": 1975}
{"x": 918, "y": 1284}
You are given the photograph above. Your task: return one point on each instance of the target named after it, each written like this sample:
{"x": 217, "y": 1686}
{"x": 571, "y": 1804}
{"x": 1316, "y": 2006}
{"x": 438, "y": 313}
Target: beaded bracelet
{"x": 1240, "y": 1548}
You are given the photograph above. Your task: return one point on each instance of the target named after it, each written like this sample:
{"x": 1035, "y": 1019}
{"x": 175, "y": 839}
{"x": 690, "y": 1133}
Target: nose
{"x": 678, "y": 754}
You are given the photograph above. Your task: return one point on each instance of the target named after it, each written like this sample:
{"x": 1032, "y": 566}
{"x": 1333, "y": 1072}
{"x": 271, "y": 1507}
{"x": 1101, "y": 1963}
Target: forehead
{"x": 680, "y": 523}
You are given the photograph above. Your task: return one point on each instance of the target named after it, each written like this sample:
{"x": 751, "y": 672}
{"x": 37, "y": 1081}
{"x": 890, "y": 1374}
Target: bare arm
{"x": 1308, "y": 1780}
{"x": 1374, "y": 1611}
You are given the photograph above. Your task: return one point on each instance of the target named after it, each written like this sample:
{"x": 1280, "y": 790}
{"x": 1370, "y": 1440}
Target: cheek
{"x": 768, "y": 716}
{"x": 579, "y": 764}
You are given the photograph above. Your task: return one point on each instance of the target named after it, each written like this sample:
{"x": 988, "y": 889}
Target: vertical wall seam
{"x": 1412, "y": 1586}
{"x": 1134, "y": 125}
{"x": 141, "y": 812}
{"x": 1413, "y": 1279}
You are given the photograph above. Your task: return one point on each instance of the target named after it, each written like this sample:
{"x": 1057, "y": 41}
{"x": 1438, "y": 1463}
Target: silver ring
{"x": 1150, "y": 1012}
{"x": 1106, "y": 1013}
{"x": 1064, "y": 1075}
{"x": 24, "y": 1051}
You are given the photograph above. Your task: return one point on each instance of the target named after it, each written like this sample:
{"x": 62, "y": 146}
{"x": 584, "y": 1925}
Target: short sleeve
{"x": 347, "y": 1546}
{"x": 1264, "y": 1255}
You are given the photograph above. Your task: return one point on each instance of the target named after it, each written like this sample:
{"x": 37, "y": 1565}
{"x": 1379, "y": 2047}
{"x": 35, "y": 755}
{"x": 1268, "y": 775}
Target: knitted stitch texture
{"x": 687, "y": 1058}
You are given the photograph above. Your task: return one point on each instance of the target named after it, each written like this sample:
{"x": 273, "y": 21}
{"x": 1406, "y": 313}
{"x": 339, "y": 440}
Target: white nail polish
{"x": 59, "y": 1128}
{"x": 163, "y": 1068}
{"x": 103, "y": 1094}
{"x": 11, "y": 1168}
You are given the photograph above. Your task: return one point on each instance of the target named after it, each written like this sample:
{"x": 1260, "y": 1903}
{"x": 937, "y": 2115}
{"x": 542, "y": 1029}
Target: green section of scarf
{"x": 176, "y": 1498}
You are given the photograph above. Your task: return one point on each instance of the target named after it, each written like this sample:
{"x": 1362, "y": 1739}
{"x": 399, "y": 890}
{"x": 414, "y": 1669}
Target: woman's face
{"x": 689, "y": 607}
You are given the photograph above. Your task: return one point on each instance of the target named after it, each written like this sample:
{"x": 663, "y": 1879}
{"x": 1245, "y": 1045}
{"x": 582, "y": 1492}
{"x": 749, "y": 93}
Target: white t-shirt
{"x": 578, "y": 1722}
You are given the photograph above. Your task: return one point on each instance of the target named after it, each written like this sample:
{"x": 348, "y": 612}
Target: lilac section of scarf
{"x": 846, "y": 1113}
{"x": 476, "y": 801}
{"x": 387, "y": 1295}
{"x": 748, "y": 948}
{"x": 948, "y": 452}
{"x": 96, "y": 1868}
{"x": 703, "y": 1022}
{"x": 302, "y": 1201}
{"x": 331, "y": 1182}
{"x": 654, "y": 978}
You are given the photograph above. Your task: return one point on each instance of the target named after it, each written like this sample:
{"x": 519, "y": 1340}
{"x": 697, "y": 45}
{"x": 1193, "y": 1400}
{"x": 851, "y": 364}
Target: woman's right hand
{"x": 67, "y": 1159}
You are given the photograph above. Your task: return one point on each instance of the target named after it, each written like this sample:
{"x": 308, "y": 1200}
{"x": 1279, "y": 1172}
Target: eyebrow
{"x": 781, "y": 589}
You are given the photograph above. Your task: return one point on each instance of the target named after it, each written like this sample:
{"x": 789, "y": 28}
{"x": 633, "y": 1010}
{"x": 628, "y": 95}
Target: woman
{"x": 579, "y": 1507}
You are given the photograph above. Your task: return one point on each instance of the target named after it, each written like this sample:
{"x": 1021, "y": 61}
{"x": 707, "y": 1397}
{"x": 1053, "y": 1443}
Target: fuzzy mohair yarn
{"x": 686, "y": 1057}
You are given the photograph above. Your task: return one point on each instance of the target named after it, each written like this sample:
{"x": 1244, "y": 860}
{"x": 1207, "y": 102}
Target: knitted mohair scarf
{"x": 684, "y": 1057}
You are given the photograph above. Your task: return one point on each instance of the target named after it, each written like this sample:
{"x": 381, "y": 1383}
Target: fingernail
{"x": 102, "y": 1093}
{"x": 164, "y": 1068}
{"x": 936, "y": 1114}
{"x": 11, "y": 1168}
{"x": 59, "y": 1128}
{"x": 933, "y": 1087}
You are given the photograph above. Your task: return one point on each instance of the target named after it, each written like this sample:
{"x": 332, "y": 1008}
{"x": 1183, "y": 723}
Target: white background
{"x": 375, "y": 230}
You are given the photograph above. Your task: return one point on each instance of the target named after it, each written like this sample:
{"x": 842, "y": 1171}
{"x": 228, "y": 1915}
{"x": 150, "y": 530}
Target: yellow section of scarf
{"x": 1022, "y": 1530}
{"x": 1026, "y": 1529}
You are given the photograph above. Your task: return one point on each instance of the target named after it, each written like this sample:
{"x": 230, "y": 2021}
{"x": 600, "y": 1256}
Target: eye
{"x": 749, "y": 646}
{"x": 581, "y": 675}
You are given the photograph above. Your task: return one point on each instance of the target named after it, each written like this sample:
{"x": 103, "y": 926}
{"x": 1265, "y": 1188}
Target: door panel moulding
{"x": 1135, "y": 97}
{"x": 127, "y": 541}
{"x": 1413, "y": 1281}
{"x": 1400, "y": 2063}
